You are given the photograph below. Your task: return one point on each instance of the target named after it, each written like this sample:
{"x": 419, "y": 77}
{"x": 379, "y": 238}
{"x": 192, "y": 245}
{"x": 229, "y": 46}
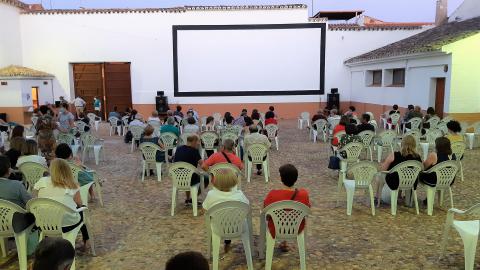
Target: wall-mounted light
{"x": 45, "y": 82}
{"x": 445, "y": 68}
{"x": 4, "y": 83}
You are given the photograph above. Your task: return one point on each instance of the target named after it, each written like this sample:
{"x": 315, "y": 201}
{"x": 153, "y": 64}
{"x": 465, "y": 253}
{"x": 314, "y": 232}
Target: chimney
{"x": 441, "y": 14}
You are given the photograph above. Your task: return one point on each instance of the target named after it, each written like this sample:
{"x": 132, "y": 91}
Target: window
{"x": 376, "y": 78}
{"x": 398, "y": 78}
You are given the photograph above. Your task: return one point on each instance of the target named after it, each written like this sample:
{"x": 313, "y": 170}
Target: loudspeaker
{"x": 334, "y": 90}
{"x": 333, "y": 101}
{"x": 161, "y": 104}
{"x": 3, "y": 116}
{"x": 160, "y": 93}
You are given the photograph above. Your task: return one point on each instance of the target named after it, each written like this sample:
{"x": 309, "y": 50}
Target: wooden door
{"x": 118, "y": 90}
{"x": 440, "y": 96}
{"x": 88, "y": 83}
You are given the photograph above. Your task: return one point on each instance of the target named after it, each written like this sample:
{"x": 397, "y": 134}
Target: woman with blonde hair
{"x": 61, "y": 187}
{"x": 30, "y": 154}
{"x": 408, "y": 152}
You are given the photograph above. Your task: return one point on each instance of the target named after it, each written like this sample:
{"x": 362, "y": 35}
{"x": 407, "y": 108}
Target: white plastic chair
{"x": 272, "y": 133}
{"x": 93, "y": 120}
{"x": 433, "y": 121}
{"x": 458, "y": 148}
{"x": 114, "y": 125}
{"x": 352, "y": 151}
{"x": 258, "y": 154}
{"x": 431, "y": 136}
{"x": 384, "y": 119}
{"x": 80, "y": 125}
{"x": 468, "y": 230}
{"x": 149, "y": 151}
{"x": 395, "y": 121}
{"x": 320, "y": 129}
{"x": 217, "y": 118}
{"x": 229, "y": 220}
{"x": 386, "y": 140}
{"x": 169, "y": 141}
{"x": 363, "y": 173}
{"x": 367, "y": 138}
{"x": 445, "y": 172}
{"x": 69, "y": 139}
{"x": 86, "y": 215}
{"x": 208, "y": 138}
{"x": 304, "y": 117}
{"x": 414, "y": 124}
{"x": 181, "y": 175}
{"x": 32, "y": 172}
{"x": 125, "y": 124}
{"x": 96, "y": 180}
{"x": 214, "y": 169}
{"x": 287, "y": 216}
{"x": 49, "y": 218}
{"x": 7, "y": 209}
{"x": 137, "y": 132}
{"x": 89, "y": 143}
{"x": 408, "y": 172}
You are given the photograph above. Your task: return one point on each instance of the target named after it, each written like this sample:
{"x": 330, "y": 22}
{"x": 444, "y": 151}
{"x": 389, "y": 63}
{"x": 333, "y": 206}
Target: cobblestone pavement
{"x": 135, "y": 230}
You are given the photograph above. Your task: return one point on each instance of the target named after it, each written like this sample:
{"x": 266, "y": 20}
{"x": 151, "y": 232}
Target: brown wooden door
{"x": 88, "y": 83}
{"x": 440, "y": 96}
{"x": 118, "y": 90}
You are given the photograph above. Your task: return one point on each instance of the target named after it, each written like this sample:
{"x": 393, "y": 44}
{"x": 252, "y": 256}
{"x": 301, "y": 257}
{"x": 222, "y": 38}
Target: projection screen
{"x": 249, "y": 60}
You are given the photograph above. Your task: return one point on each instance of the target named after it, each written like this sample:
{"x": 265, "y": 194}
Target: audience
{"x": 288, "y": 176}
{"x": 82, "y": 118}
{"x": 443, "y": 152}
{"x": 187, "y": 261}
{"x": 256, "y": 138}
{"x": 191, "y": 126}
{"x": 12, "y": 191}
{"x": 170, "y": 127}
{"x": 319, "y": 115}
{"x": 454, "y": 129}
{"x": 272, "y": 109}
{"x": 408, "y": 113}
{"x": 365, "y": 124}
{"x": 30, "y": 154}
{"x": 54, "y": 253}
{"x": 148, "y": 136}
{"x": 344, "y": 120}
{"x": 225, "y": 155}
{"x": 226, "y": 116}
{"x": 45, "y": 127}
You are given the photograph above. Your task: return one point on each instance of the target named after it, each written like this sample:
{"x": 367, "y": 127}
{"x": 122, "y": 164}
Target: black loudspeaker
{"x": 161, "y": 103}
{"x": 333, "y": 101}
{"x": 3, "y": 116}
{"x": 160, "y": 93}
{"x": 334, "y": 90}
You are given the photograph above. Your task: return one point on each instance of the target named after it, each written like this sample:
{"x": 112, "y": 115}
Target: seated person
{"x": 191, "y": 260}
{"x": 430, "y": 113}
{"x": 350, "y": 136}
{"x": 61, "y": 187}
{"x": 114, "y": 113}
{"x": 64, "y": 152}
{"x": 154, "y": 117}
{"x": 270, "y": 118}
{"x": 189, "y": 153}
{"x": 137, "y": 121}
{"x": 12, "y": 191}
{"x": 226, "y": 155}
{"x": 227, "y": 115}
{"x": 253, "y": 138}
{"x": 18, "y": 131}
{"x": 288, "y": 176}
{"x": 54, "y": 253}
{"x": 443, "y": 153}
{"x": 178, "y": 111}
{"x": 365, "y": 125}
{"x": 81, "y": 117}
{"x": 394, "y": 110}
{"x": 148, "y": 137}
{"x": 454, "y": 129}
{"x": 170, "y": 127}
{"x": 319, "y": 115}
{"x": 30, "y": 154}
{"x": 408, "y": 152}
{"x": 256, "y": 117}
{"x": 191, "y": 126}
{"x": 351, "y": 111}
{"x": 240, "y": 121}
{"x": 272, "y": 109}
{"x": 210, "y": 124}
{"x": 408, "y": 114}
{"x": 344, "y": 120}
{"x": 15, "y": 151}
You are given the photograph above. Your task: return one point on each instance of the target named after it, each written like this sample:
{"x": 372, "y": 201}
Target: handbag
{"x": 334, "y": 163}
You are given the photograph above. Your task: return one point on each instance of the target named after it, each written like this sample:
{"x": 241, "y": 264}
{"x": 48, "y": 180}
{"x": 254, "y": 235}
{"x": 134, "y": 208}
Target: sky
{"x": 387, "y": 10}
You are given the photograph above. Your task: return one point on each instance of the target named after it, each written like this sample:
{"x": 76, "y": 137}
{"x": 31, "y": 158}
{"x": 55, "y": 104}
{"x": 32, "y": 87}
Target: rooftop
{"x": 339, "y": 14}
{"x": 428, "y": 41}
{"x": 22, "y": 72}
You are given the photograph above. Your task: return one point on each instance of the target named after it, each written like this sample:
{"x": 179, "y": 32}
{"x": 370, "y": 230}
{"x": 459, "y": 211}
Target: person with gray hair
{"x": 334, "y": 117}
{"x": 226, "y": 155}
{"x": 54, "y": 253}
{"x": 256, "y": 138}
{"x": 170, "y": 127}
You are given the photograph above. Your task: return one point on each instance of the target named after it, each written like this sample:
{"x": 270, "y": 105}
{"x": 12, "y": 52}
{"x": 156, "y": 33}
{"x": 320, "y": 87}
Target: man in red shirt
{"x": 225, "y": 155}
{"x": 289, "y": 176}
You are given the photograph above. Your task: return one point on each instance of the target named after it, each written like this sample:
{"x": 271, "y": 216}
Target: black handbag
{"x": 334, "y": 163}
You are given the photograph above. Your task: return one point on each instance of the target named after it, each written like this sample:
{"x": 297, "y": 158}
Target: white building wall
{"x": 11, "y": 94}
{"x": 10, "y": 43}
{"x": 45, "y": 93}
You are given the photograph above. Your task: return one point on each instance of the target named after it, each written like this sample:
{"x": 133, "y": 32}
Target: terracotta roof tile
{"x": 22, "y": 72}
{"x": 375, "y": 27}
{"x": 427, "y": 41}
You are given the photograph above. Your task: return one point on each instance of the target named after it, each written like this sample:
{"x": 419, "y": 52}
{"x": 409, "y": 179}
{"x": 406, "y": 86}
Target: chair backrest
{"x": 88, "y": 139}
{"x": 227, "y": 219}
{"x": 113, "y": 121}
{"x": 34, "y": 120}
{"x": 257, "y": 152}
{"x": 408, "y": 172}
{"x": 415, "y": 123}
{"x": 7, "y": 209}
{"x": 340, "y": 134}
{"x": 387, "y": 137}
{"x": 443, "y": 127}
{"x": 320, "y": 125}
{"x": 81, "y": 126}
{"x": 32, "y": 172}
{"x": 305, "y": 115}
{"x": 434, "y": 120}
{"x": 373, "y": 122}
{"x": 432, "y": 135}
{"x": 169, "y": 140}
{"x": 67, "y": 138}
{"x": 474, "y": 210}
{"x": 446, "y": 119}
{"x": 367, "y": 137}
{"x": 271, "y": 130}
{"x": 445, "y": 172}
{"x": 154, "y": 124}
{"x": 137, "y": 132}
{"x": 353, "y": 151}
{"x": 91, "y": 118}
{"x": 363, "y": 172}
{"x": 372, "y": 117}
{"x": 48, "y": 215}
{"x": 416, "y": 134}
{"x": 334, "y": 122}
{"x": 214, "y": 169}
{"x": 181, "y": 174}
{"x": 395, "y": 118}
{"x": 458, "y": 148}
{"x": 208, "y": 139}
{"x": 149, "y": 151}
{"x": 287, "y": 217}
{"x": 75, "y": 170}
{"x": 125, "y": 120}
{"x": 230, "y": 135}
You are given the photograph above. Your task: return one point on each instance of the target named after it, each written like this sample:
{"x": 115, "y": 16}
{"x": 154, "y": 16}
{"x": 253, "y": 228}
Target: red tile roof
{"x": 377, "y": 27}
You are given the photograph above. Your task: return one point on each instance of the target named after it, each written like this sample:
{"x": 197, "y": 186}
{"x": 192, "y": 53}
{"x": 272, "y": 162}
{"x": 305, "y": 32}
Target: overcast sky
{"x": 388, "y": 10}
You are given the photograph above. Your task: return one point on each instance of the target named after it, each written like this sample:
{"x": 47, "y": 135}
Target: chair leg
{"x": 247, "y": 246}
{"x": 430, "y": 199}
{"x": 90, "y": 233}
{"x": 372, "y": 201}
{"x": 174, "y": 201}
{"x": 451, "y": 197}
{"x": 215, "y": 251}
{"x": 159, "y": 171}
{"x": 270, "y": 246}
{"x": 415, "y": 201}
{"x": 469, "y": 248}
{"x": 371, "y": 154}
{"x": 393, "y": 202}
{"x": 441, "y": 197}
{"x": 266, "y": 171}
{"x": 131, "y": 146}
{"x": 21, "y": 243}
{"x": 276, "y": 142}
{"x": 144, "y": 165}
{"x": 461, "y": 170}
{"x": 350, "y": 194}
{"x": 249, "y": 171}
{"x": 98, "y": 190}
{"x": 194, "y": 194}
{"x": 302, "y": 250}
{"x": 379, "y": 153}
{"x": 3, "y": 246}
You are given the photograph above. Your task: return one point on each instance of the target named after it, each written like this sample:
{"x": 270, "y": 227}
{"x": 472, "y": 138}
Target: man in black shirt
{"x": 365, "y": 125}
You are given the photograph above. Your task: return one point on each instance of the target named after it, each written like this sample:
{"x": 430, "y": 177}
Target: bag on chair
{"x": 334, "y": 163}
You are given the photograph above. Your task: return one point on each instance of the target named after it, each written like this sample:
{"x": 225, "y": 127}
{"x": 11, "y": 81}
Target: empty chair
{"x": 272, "y": 133}
{"x": 287, "y": 216}
{"x": 149, "y": 162}
{"x": 445, "y": 173}
{"x": 319, "y": 127}
{"x": 408, "y": 172}
{"x": 94, "y": 120}
{"x": 181, "y": 175}
{"x": 468, "y": 230}
{"x": 169, "y": 141}
{"x": 363, "y": 173}
{"x": 209, "y": 140}
{"x": 386, "y": 140}
{"x": 89, "y": 143}
{"x": 137, "y": 132}
{"x": 96, "y": 179}
{"x": 304, "y": 117}
{"x": 458, "y": 148}
{"x": 32, "y": 172}
{"x": 229, "y": 220}
{"x": 7, "y": 210}
{"x": 115, "y": 126}
{"x": 257, "y": 154}
{"x": 367, "y": 138}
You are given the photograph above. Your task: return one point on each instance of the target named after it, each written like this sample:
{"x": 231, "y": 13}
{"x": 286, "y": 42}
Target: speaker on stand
{"x": 333, "y": 99}
{"x": 161, "y": 102}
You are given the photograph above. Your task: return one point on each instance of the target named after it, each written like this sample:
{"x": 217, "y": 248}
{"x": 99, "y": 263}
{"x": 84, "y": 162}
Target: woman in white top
{"x": 61, "y": 187}
{"x": 154, "y": 117}
{"x": 30, "y": 154}
{"x": 224, "y": 190}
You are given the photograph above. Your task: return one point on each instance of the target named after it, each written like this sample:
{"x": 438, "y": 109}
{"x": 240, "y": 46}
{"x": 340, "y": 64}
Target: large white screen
{"x": 249, "y": 60}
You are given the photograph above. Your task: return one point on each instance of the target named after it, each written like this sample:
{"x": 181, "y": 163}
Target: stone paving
{"x": 135, "y": 230}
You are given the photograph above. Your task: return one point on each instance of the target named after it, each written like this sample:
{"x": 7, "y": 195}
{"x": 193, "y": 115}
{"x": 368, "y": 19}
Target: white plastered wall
{"x": 10, "y": 42}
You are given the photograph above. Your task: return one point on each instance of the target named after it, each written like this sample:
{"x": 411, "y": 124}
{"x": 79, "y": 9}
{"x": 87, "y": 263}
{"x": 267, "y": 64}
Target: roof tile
{"x": 18, "y": 71}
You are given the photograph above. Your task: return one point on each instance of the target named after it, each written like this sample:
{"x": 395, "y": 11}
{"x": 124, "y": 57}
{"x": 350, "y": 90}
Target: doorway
{"x": 439, "y": 96}
{"x": 110, "y": 82}
{"x": 34, "y": 96}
